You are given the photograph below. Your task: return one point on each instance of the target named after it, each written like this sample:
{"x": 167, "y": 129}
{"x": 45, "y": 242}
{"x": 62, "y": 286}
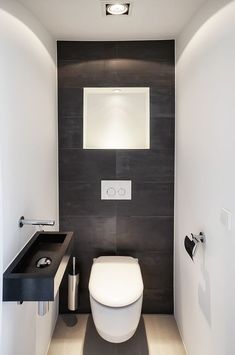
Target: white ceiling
{"x": 84, "y": 19}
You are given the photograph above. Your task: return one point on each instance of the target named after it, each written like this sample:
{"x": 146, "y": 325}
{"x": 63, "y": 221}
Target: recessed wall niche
{"x": 116, "y": 118}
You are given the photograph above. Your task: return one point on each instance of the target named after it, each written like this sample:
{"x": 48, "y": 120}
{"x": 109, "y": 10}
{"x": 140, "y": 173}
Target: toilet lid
{"x": 116, "y": 281}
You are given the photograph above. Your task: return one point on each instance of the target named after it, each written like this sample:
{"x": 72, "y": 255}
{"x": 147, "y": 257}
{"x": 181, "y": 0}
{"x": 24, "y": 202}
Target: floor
{"x": 161, "y": 331}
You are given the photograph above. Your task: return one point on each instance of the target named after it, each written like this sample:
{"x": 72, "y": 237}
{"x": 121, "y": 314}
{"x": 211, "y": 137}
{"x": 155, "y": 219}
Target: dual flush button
{"x": 111, "y": 191}
{"x": 115, "y": 190}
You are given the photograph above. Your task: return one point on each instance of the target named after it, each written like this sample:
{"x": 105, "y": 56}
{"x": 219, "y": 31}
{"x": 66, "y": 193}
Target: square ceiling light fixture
{"x": 116, "y": 8}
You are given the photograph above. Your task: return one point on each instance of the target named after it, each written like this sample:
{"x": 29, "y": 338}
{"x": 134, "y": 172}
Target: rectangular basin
{"x": 24, "y": 281}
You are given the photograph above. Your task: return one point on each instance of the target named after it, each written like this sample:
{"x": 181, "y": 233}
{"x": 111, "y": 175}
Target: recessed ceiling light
{"x": 117, "y": 90}
{"x": 117, "y": 9}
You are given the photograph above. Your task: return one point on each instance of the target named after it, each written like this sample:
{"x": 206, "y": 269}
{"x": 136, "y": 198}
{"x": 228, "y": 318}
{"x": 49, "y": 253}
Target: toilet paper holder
{"x": 197, "y": 238}
{"x": 191, "y": 245}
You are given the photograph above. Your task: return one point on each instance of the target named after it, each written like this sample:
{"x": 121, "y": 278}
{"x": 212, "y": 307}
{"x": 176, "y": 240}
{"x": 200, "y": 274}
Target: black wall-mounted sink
{"x": 37, "y": 271}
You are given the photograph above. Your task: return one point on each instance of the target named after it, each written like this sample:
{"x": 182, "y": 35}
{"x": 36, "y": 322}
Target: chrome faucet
{"x": 35, "y": 222}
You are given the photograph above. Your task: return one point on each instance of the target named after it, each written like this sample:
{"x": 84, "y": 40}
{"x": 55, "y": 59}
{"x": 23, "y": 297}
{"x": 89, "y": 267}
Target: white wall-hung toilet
{"x": 116, "y": 294}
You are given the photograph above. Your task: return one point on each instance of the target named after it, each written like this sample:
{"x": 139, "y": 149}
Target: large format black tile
{"x": 147, "y": 50}
{"x": 142, "y": 234}
{"x": 92, "y": 234}
{"x": 90, "y": 50}
{"x": 70, "y": 118}
{"x": 70, "y": 137}
{"x": 148, "y": 199}
{"x": 162, "y": 134}
{"x": 84, "y": 199}
{"x": 116, "y": 72}
{"x": 86, "y": 50}
{"x": 145, "y": 165}
{"x": 156, "y": 269}
{"x": 158, "y": 301}
{"x": 87, "y": 165}
{"x": 75, "y": 74}
{"x": 70, "y": 133}
{"x": 162, "y": 101}
{"x": 70, "y": 103}
{"x": 84, "y": 301}
{"x": 141, "y": 72}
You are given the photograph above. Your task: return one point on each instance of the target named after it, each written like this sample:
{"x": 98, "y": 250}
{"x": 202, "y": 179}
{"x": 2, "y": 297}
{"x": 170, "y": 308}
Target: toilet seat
{"x": 116, "y": 281}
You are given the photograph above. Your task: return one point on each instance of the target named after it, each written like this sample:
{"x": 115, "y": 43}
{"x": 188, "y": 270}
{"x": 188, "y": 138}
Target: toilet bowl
{"x": 116, "y": 294}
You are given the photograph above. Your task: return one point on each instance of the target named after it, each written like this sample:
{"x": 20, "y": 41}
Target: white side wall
{"x": 28, "y": 155}
{"x": 205, "y": 179}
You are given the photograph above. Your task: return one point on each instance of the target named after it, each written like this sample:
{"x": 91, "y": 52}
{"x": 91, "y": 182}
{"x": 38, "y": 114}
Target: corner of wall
{"x": 204, "y": 178}
{"x": 28, "y": 160}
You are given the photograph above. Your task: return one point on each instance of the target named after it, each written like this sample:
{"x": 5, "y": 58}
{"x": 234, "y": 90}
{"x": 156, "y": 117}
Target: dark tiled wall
{"x": 142, "y": 227}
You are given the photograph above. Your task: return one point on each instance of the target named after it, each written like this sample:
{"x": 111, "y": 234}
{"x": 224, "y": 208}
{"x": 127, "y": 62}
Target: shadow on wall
{"x": 204, "y": 293}
{"x": 206, "y": 16}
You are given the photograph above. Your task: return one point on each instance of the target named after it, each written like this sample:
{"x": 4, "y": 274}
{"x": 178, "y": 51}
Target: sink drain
{"x": 43, "y": 262}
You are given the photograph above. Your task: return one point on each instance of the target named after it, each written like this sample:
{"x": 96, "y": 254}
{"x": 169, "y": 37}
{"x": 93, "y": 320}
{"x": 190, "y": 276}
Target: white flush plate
{"x": 116, "y": 190}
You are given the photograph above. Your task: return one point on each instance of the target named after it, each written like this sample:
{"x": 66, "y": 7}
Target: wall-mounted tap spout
{"x": 35, "y": 222}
